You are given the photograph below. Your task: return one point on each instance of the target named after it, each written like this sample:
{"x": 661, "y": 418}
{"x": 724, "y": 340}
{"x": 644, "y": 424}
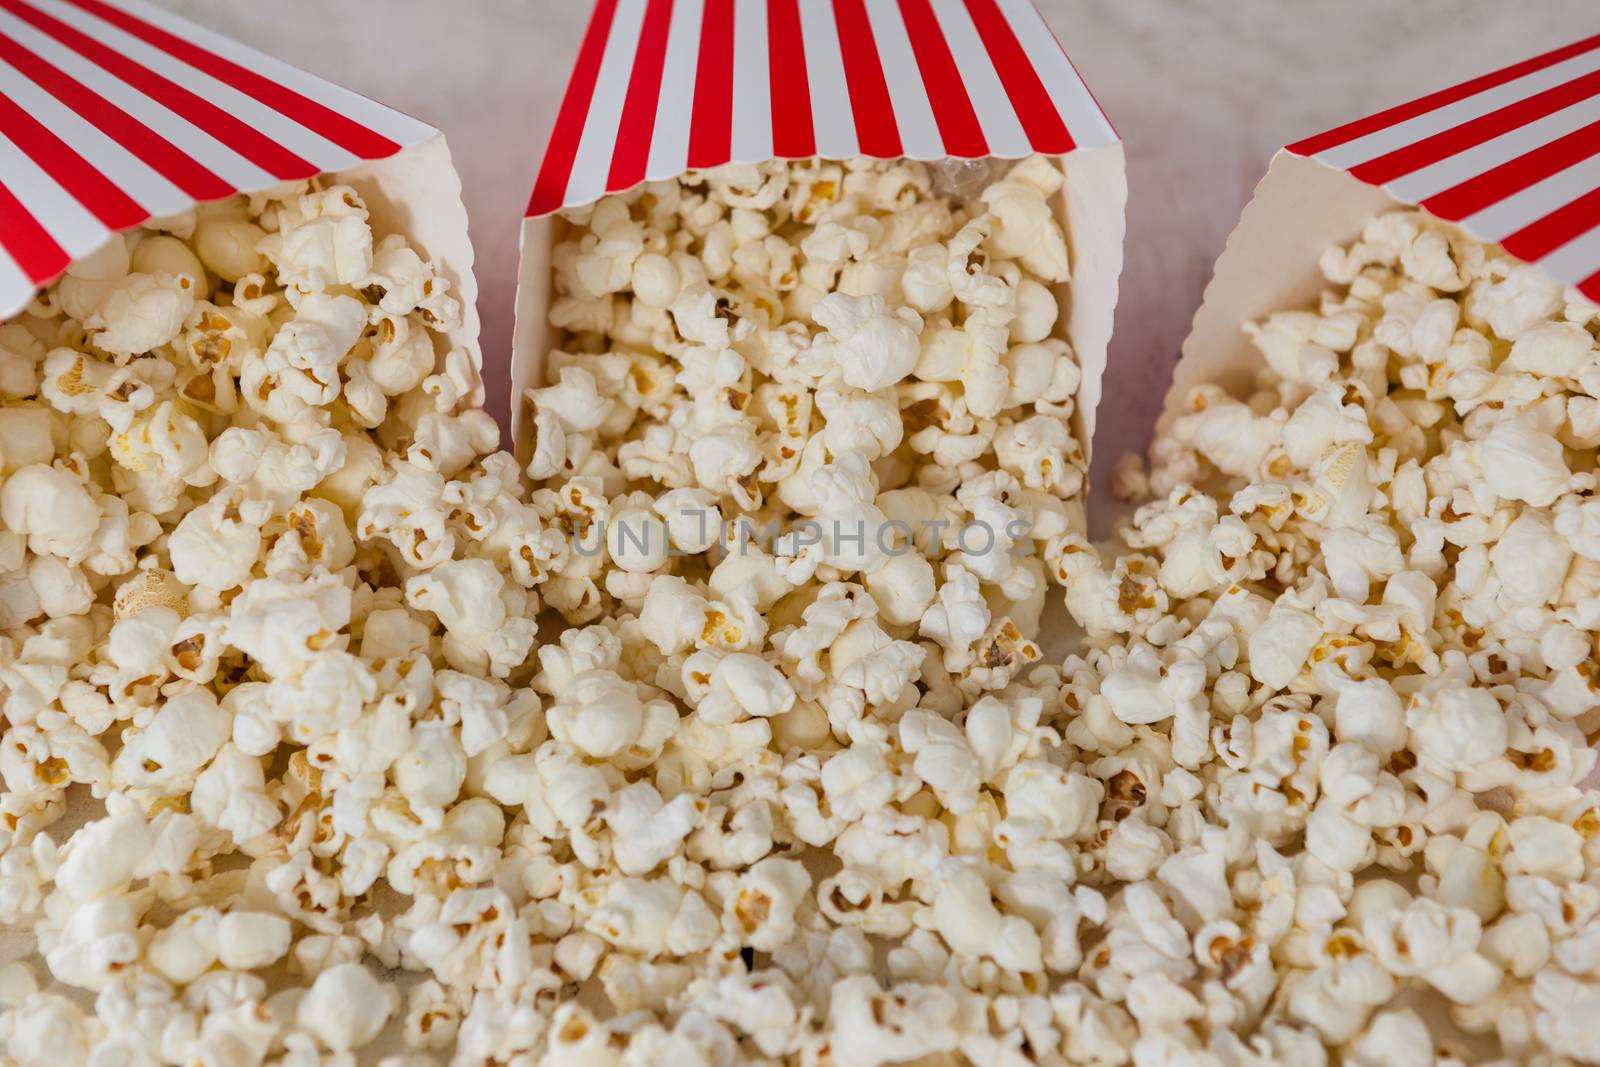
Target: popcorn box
{"x": 1513, "y": 157}
{"x": 662, "y": 87}
{"x": 112, "y": 113}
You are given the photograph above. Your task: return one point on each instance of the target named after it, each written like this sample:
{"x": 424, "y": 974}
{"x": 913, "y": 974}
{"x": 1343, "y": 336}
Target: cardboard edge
{"x": 531, "y": 333}
{"x": 1093, "y": 211}
{"x": 417, "y": 193}
{"x": 1299, "y": 208}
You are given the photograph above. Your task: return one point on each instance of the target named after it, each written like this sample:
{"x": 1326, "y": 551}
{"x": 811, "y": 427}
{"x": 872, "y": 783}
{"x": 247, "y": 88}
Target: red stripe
{"x": 1447, "y": 143}
{"x": 1047, "y": 133}
{"x": 1590, "y": 287}
{"x": 638, "y": 122}
{"x": 876, "y": 132}
{"x": 1350, "y": 131}
{"x": 952, "y": 108}
{"x": 792, "y": 134}
{"x": 319, "y": 118}
{"x": 711, "y": 123}
{"x": 1543, "y": 236}
{"x": 80, "y": 178}
{"x": 233, "y": 132}
{"x": 27, "y": 242}
{"x": 145, "y": 144}
{"x": 1515, "y": 175}
{"x": 551, "y": 185}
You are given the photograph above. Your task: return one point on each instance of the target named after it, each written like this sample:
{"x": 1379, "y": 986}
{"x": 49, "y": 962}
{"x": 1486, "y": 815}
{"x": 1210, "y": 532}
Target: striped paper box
{"x": 1513, "y": 157}
{"x": 661, "y": 87}
{"x": 114, "y": 112}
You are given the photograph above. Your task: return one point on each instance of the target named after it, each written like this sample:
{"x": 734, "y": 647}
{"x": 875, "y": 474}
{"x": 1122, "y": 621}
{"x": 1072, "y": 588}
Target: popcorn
{"x": 322, "y": 240}
{"x": 305, "y": 353}
{"x": 778, "y": 514}
{"x": 637, "y": 541}
{"x": 874, "y": 348}
{"x": 179, "y": 741}
{"x": 345, "y": 1008}
{"x": 481, "y": 613}
{"x": 1530, "y": 561}
{"x": 217, "y": 544}
{"x": 742, "y": 685}
{"x": 227, "y": 244}
{"x": 1458, "y": 727}
{"x": 188, "y": 581}
{"x": 1366, "y": 562}
{"x": 1564, "y": 1023}
{"x": 142, "y": 312}
{"x": 1371, "y": 713}
{"x": 52, "y": 508}
{"x": 1520, "y": 462}
{"x": 907, "y": 1023}
{"x": 789, "y": 776}
{"x": 1278, "y": 649}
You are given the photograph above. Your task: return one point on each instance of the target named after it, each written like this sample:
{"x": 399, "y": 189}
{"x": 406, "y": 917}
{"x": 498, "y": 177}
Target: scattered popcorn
{"x": 727, "y": 737}
{"x": 212, "y": 665}
{"x": 744, "y": 678}
{"x": 1338, "y": 683}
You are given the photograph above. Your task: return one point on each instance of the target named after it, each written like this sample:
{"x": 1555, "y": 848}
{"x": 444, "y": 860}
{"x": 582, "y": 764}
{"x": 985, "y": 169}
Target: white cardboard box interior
{"x": 1202, "y": 91}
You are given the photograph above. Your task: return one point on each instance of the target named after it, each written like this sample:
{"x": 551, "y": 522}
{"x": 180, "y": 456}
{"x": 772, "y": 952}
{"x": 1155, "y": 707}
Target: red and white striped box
{"x": 114, "y": 112}
{"x": 1513, "y": 157}
{"x": 661, "y": 87}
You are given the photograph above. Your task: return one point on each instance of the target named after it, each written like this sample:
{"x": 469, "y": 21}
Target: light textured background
{"x": 1202, "y": 91}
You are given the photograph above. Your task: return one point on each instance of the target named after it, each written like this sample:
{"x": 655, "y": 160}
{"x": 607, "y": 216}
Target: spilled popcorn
{"x": 1348, "y": 669}
{"x": 718, "y": 731}
{"x": 326, "y": 736}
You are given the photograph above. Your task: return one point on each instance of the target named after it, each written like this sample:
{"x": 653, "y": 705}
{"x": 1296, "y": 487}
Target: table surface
{"x": 1202, "y": 91}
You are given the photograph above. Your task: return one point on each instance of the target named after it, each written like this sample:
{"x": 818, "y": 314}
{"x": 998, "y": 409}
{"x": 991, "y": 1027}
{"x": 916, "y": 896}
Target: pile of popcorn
{"x": 1349, "y": 661}
{"x": 720, "y": 731}
{"x": 324, "y": 731}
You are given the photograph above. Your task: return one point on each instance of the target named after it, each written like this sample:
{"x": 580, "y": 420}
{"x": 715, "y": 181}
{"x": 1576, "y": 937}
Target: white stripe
{"x": 126, "y": 171}
{"x": 398, "y": 127}
{"x": 67, "y": 221}
{"x": 750, "y": 137}
{"x": 1448, "y": 173}
{"x": 1421, "y": 127}
{"x": 913, "y": 111}
{"x": 831, "y": 117}
{"x": 308, "y": 145}
{"x": 1575, "y": 260}
{"x": 16, "y": 288}
{"x": 669, "y": 141}
{"x": 1084, "y": 120}
{"x": 591, "y": 164}
{"x": 1498, "y": 221}
{"x": 1002, "y": 130}
{"x": 193, "y": 141}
